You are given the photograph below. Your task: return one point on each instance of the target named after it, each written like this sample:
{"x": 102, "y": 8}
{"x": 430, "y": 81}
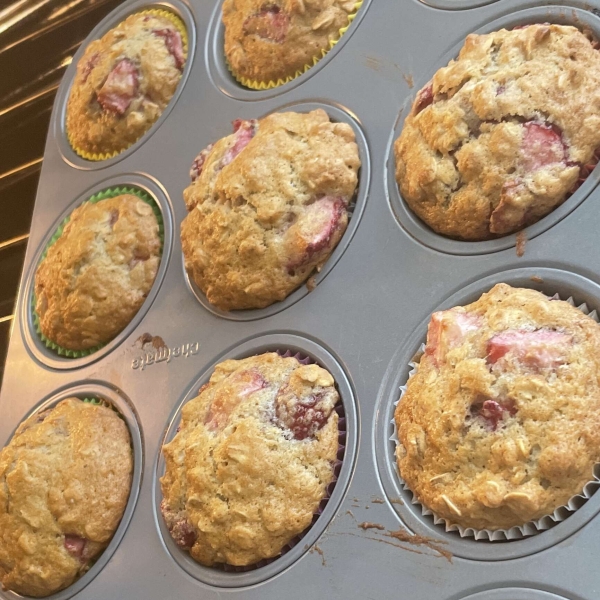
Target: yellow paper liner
{"x": 253, "y": 84}
{"x": 180, "y": 25}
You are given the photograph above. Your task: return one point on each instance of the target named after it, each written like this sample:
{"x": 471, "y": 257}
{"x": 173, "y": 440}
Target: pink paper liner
{"x": 337, "y": 466}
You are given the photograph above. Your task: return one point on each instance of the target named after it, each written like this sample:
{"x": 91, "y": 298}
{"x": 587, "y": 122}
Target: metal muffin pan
{"x": 357, "y": 207}
{"x": 369, "y": 315}
{"x": 122, "y": 406}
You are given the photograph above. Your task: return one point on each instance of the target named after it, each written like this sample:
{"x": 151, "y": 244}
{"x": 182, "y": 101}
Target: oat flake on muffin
{"x": 65, "y": 479}
{"x": 96, "y": 276}
{"x": 251, "y": 460}
{"x": 272, "y": 40}
{"x": 124, "y": 81}
{"x": 501, "y": 135}
{"x": 501, "y": 423}
{"x": 267, "y": 206}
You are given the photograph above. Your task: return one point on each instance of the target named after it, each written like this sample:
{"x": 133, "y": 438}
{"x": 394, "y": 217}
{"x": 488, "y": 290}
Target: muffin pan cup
{"x": 364, "y": 321}
{"x": 97, "y": 197}
{"x": 254, "y": 84}
{"x": 97, "y": 392}
{"x": 181, "y": 27}
{"x": 528, "y": 528}
{"x": 408, "y": 220}
{"x": 306, "y": 352}
{"x": 49, "y": 351}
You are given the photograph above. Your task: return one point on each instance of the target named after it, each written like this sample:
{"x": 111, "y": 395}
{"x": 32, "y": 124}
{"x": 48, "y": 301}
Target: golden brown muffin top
{"x": 123, "y": 83}
{"x": 65, "y": 479}
{"x": 497, "y": 140}
{"x": 267, "y": 41}
{"x": 251, "y": 460}
{"x": 267, "y": 206}
{"x": 96, "y": 276}
{"x": 501, "y": 423}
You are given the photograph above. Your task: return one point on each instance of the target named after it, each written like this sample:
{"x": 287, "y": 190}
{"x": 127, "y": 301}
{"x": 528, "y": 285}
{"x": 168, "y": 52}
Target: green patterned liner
{"x": 103, "y": 195}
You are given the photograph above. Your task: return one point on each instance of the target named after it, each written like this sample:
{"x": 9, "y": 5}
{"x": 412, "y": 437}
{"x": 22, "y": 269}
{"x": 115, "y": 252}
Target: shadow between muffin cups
{"x": 47, "y": 351}
{"x": 308, "y": 352}
{"x": 97, "y": 392}
{"x": 477, "y": 545}
{"x": 417, "y": 228}
{"x": 355, "y": 211}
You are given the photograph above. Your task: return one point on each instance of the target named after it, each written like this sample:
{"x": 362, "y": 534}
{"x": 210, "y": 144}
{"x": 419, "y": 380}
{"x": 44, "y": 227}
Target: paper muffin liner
{"x": 339, "y": 409}
{"x": 529, "y": 528}
{"x": 253, "y": 84}
{"x": 103, "y": 195}
{"x": 100, "y": 156}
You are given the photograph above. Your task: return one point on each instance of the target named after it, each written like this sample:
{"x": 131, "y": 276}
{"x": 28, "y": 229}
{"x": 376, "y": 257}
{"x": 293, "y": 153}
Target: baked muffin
{"x": 124, "y": 81}
{"x": 499, "y": 137}
{"x": 96, "y": 276}
{"x": 501, "y": 423}
{"x": 269, "y": 41}
{"x": 267, "y": 206}
{"x": 65, "y": 479}
{"x": 252, "y": 459}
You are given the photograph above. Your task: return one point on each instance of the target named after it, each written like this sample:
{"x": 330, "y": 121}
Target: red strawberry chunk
{"x": 75, "y": 545}
{"x": 270, "y": 23}
{"x": 542, "y": 145}
{"x": 198, "y": 164}
{"x": 174, "y": 45}
{"x": 447, "y": 330}
{"x": 120, "y": 87}
{"x": 316, "y": 227}
{"x": 302, "y": 416}
{"x": 244, "y": 132}
{"x": 493, "y": 411}
{"x": 232, "y": 392}
{"x": 424, "y": 98}
{"x": 541, "y": 349}
{"x": 89, "y": 65}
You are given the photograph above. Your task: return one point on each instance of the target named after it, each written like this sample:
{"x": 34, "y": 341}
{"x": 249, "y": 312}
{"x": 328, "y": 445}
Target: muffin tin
{"x": 364, "y": 321}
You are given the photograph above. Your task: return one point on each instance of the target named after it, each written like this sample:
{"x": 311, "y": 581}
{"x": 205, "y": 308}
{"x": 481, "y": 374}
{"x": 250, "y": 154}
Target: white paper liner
{"x": 514, "y": 533}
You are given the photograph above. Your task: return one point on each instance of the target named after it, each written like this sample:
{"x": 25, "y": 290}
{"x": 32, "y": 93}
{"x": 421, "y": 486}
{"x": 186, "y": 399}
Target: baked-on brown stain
{"x": 405, "y": 537}
{"x": 376, "y": 500}
{"x": 318, "y": 550}
{"x": 521, "y": 241}
{"x": 368, "y": 525}
{"x": 537, "y": 279}
{"x": 421, "y": 540}
{"x": 409, "y": 80}
{"x": 147, "y": 338}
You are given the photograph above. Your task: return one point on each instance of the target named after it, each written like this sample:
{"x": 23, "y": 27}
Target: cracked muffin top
{"x": 501, "y": 423}
{"x": 96, "y": 276}
{"x": 252, "y": 459}
{"x": 502, "y": 135}
{"x": 65, "y": 479}
{"x": 123, "y": 83}
{"x": 267, "y": 206}
{"x": 268, "y": 41}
